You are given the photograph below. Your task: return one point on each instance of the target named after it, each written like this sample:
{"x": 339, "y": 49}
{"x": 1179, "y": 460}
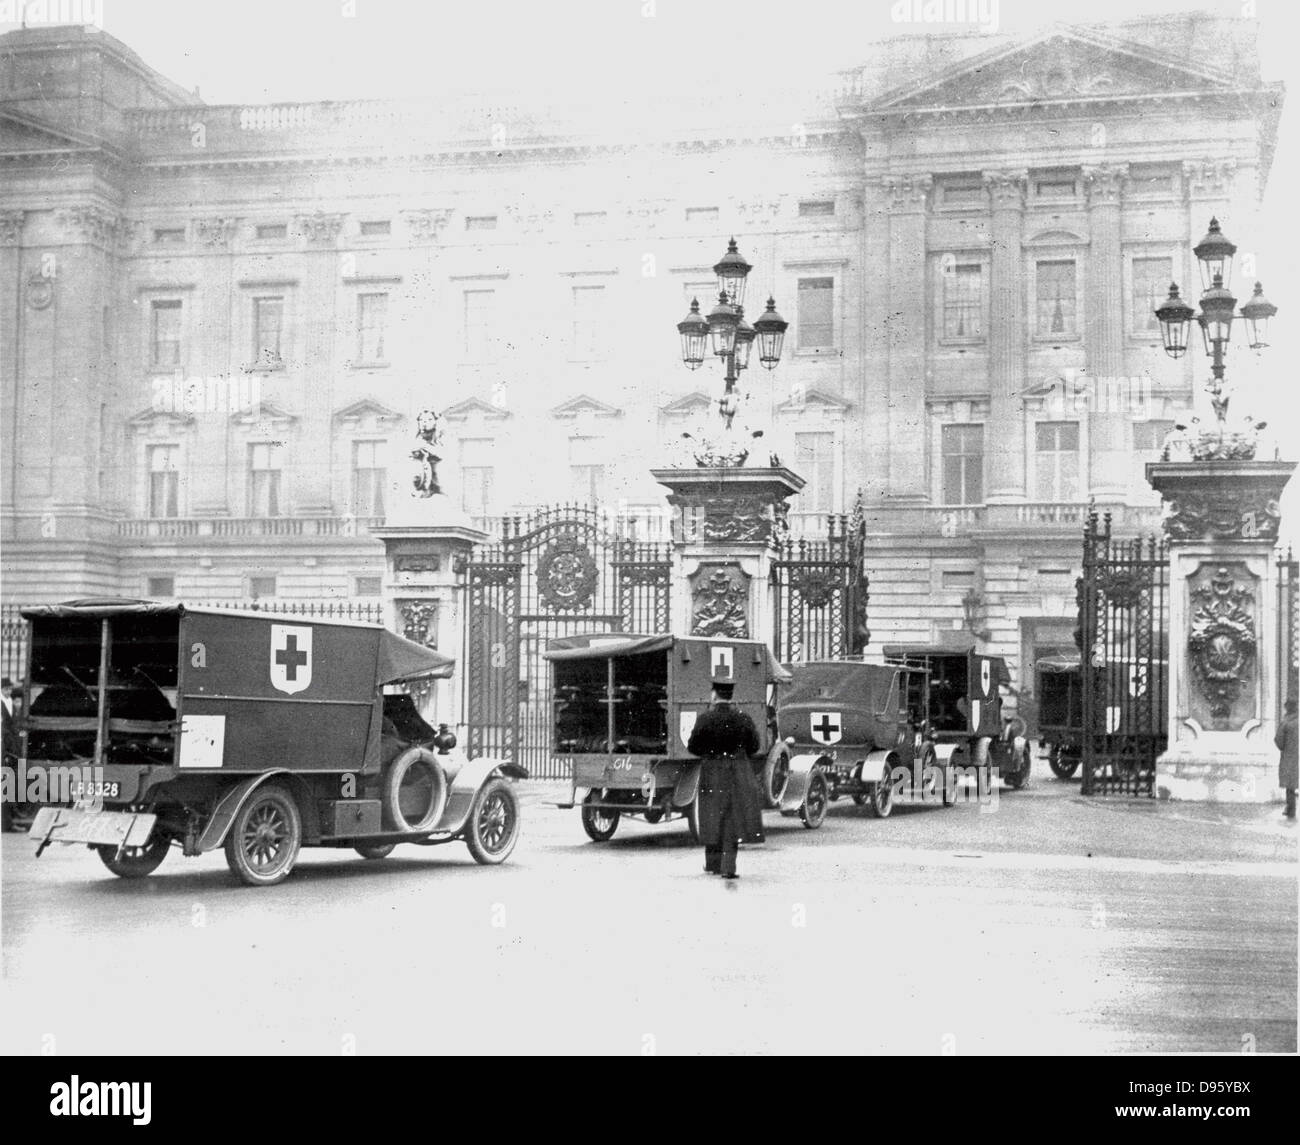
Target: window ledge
{"x": 369, "y": 365}
{"x": 817, "y": 352}
{"x": 1054, "y": 339}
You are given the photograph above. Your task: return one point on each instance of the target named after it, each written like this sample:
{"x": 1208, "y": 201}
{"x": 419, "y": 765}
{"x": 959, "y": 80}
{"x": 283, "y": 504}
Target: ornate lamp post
{"x": 1225, "y": 677}
{"x": 727, "y": 335}
{"x": 1218, "y": 308}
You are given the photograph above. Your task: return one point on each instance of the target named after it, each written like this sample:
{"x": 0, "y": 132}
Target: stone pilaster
{"x": 1006, "y": 455}
{"x": 907, "y": 197}
{"x": 1104, "y": 335}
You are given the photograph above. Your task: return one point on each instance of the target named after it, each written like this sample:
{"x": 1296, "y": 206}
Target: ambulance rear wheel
{"x": 776, "y": 774}
{"x": 135, "y": 862}
{"x": 374, "y": 850}
{"x": 813, "y": 811}
{"x": 599, "y": 822}
{"x": 493, "y": 823}
{"x": 880, "y": 801}
{"x": 1024, "y": 760}
{"x": 265, "y": 837}
{"x": 1063, "y": 764}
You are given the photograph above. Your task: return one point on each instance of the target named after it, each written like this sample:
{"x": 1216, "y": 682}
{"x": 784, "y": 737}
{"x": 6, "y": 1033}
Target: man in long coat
{"x": 730, "y": 807}
{"x": 1288, "y": 742}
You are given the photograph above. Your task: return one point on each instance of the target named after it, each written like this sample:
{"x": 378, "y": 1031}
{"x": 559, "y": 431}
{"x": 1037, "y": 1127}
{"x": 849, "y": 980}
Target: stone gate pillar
{"x": 1222, "y": 522}
{"x": 727, "y": 523}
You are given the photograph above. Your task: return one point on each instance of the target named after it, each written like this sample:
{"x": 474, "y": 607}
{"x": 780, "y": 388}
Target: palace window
{"x": 165, "y": 333}
{"x": 589, "y": 317}
{"x": 816, "y": 310}
{"x": 164, "y": 480}
{"x": 169, "y": 236}
{"x": 816, "y": 208}
{"x": 372, "y": 227}
{"x": 815, "y": 461}
{"x": 1151, "y": 278}
{"x": 963, "y": 302}
{"x": 160, "y": 586}
{"x": 372, "y": 323}
{"x": 962, "y": 450}
{"x": 368, "y": 478}
{"x": 267, "y": 231}
{"x": 479, "y": 310}
{"x": 261, "y": 587}
{"x": 264, "y": 472}
{"x": 1148, "y": 442}
{"x": 702, "y": 214}
{"x": 268, "y": 332}
{"x": 476, "y": 473}
{"x": 1057, "y": 301}
{"x": 1056, "y": 457}
{"x": 586, "y": 469}
{"x": 481, "y": 222}
{"x": 588, "y": 218}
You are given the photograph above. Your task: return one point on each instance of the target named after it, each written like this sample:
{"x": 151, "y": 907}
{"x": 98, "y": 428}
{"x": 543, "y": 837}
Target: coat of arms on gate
{"x": 1222, "y": 639}
{"x": 566, "y": 574}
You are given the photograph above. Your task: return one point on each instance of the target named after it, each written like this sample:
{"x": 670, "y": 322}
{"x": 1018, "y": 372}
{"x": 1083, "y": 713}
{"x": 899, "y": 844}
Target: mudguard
{"x": 688, "y": 783}
{"x": 218, "y": 825}
{"x": 948, "y": 755}
{"x": 467, "y": 783}
{"x": 796, "y": 787}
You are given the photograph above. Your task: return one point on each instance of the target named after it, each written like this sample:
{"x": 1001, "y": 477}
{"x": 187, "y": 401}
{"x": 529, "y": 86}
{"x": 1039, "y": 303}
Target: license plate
{"x": 73, "y": 825}
{"x": 95, "y": 789}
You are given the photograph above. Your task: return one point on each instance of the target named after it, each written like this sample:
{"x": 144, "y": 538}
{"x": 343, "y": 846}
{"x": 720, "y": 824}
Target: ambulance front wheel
{"x": 135, "y": 862}
{"x": 599, "y": 823}
{"x": 264, "y": 839}
{"x": 493, "y": 823}
{"x": 813, "y": 811}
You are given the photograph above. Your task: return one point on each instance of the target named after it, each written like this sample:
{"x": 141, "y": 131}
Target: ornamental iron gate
{"x": 1124, "y": 625}
{"x": 819, "y": 594}
{"x": 1288, "y": 628}
{"x": 562, "y": 571}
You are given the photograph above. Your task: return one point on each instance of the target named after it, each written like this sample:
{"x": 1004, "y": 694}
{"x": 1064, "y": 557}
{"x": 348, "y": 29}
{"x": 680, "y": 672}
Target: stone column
{"x": 1222, "y": 522}
{"x": 1006, "y": 442}
{"x": 725, "y": 534}
{"x": 907, "y": 196}
{"x": 1108, "y": 454}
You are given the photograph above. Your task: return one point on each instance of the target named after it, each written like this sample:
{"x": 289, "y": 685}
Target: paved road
{"x": 1052, "y": 924}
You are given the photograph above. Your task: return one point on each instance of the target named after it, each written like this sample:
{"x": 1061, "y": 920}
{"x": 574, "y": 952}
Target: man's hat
{"x": 724, "y": 688}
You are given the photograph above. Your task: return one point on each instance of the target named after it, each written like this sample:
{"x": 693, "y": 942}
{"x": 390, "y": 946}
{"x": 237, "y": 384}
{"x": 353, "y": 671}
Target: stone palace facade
{"x": 218, "y": 322}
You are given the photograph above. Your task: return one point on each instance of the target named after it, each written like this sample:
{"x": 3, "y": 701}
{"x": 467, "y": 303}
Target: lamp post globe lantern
{"x": 770, "y": 328}
{"x": 1218, "y": 308}
{"x": 1214, "y": 252}
{"x": 732, "y": 270}
{"x": 745, "y": 335}
{"x": 1257, "y": 312}
{"x": 723, "y": 323}
{"x": 694, "y": 329}
{"x": 1175, "y": 318}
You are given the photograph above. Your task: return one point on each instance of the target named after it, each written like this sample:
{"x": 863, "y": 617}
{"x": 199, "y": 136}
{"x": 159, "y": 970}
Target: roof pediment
{"x": 1060, "y": 66}
{"x": 471, "y": 407}
{"x": 366, "y": 408}
{"x": 688, "y": 404}
{"x": 263, "y": 413}
{"x": 813, "y": 399}
{"x": 584, "y": 404}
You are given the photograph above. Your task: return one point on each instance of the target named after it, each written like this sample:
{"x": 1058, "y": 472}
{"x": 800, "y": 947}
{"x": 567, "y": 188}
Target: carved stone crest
{"x": 215, "y": 232}
{"x": 1222, "y": 639}
{"x": 320, "y": 227}
{"x": 419, "y": 621}
{"x": 40, "y": 292}
{"x": 430, "y": 563}
{"x": 11, "y": 226}
{"x": 1233, "y": 513}
{"x": 719, "y": 600}
{"x": 566, "y": 574}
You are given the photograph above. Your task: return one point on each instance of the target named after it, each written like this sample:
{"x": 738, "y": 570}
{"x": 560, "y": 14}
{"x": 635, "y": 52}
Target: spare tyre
{"x": 414, "y": 791}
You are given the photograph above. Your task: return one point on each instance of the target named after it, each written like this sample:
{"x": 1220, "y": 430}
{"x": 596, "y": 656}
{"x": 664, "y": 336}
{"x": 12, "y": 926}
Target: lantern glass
{"x": 1175, "y": 318}
{"x": 1257, "y": 313}
{"x": 1214, "y": 253}
{"x": 745, "y": 335}
{"x": 732, "y": 271}
{"x": 695, "y": 336}
{"x": 1217, "y": 310}
{"x": 770, "y": 328}
{"x": 723, "y": 322}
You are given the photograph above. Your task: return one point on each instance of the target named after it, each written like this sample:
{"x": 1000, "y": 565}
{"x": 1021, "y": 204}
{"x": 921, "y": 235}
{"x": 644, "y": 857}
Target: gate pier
{"x": 427, "y": 546}
{"x": 729, "y": 522}
{"x": 1222, "y": 523}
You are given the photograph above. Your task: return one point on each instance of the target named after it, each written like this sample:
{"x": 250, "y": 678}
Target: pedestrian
{"x": 10, "y": 744}
{"x": 730, "y": 809}
{"x": 1288, "y": 742}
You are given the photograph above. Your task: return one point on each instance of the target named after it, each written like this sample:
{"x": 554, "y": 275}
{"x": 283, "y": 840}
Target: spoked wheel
{"x": 813, "y": 811}
{"x": 374, "y": 850}
{"x": 1063, "y": 764}
{"x": 599, "y": 823}
{"x": 264, "y": 838}
{"x": 880, "y": 802}
{"x": 494, "y": 823}
{"x": 776, "y": 773}
{"x": 135, "y": 862}
{"x": 1025, "y": 759}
